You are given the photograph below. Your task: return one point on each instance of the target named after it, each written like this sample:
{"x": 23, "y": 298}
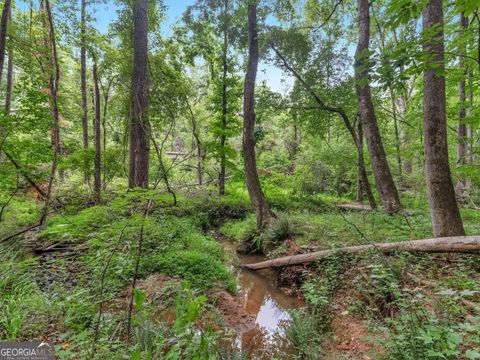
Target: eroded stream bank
{"x": 264, "y": 308}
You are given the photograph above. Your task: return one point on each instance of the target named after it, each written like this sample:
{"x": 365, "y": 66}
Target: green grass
{"x": 22, "y": 303}
{"x": 240, "y": 230}
{"x": 19, "y": 213}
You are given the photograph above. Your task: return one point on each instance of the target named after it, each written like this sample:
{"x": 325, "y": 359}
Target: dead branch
{"x": 24, "y": 174}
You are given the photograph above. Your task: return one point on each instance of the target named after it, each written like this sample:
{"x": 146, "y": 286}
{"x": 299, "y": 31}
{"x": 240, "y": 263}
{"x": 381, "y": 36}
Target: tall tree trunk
{"x": 260, "y": 205}
{"x": 383, "y": 177}
{"x": 394, "y": 106}
{"x": 3, "y": 33}
{"x": 294, "y": 144}
{"x": 469, "y": 138}
{"x": 83, "y": 80}
{"x": 106, "y": 97}
{"x": 140, "y": 128}
{"x": 223, "y": 137}
{"x": 198, "y": 145}
{"x": 97, "y": 182}
{"x": 404, "y": 137}
{"x": 53, "y": 75}
{"x": 364, "y": 187}
{"x": 397, "y": 135}
{"x": 462, "y": 111}
{"x": 8, "y": 91}
{"x": 441, "y": 195}
{"x": 470, "y": 127}
{"x": 361, "y": 168}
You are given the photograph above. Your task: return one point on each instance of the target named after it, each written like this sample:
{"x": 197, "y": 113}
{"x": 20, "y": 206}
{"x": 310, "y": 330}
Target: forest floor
{"x": 70, "y": 283}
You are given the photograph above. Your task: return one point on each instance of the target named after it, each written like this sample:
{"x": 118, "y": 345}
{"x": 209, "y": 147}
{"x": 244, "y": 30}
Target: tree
{"x": 3, "y": 33}
{"x": 364, "y": 188}
{"x": 223, "y": 137}
{"x": 260, "y": 205}
{"x": 213, "y": 39}
{"x": 139, "y": 126}
{"x": 198, "y": 143}
{"x": 52, "y": 73}
{"x": 462, "y": 111}
{"x": 97, "y": 183}
{"x": 83, "y": 77}
{"x": 393, "y": 98}
{"x": 441, "y": 195}
{"x": 381, "y": 170}
{"x": 8, "y": 90}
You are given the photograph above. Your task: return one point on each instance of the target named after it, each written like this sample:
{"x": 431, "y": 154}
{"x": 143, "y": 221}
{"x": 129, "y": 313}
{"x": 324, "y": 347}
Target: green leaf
{"x": 138, "y": 297}
{"x": 472, "y": 354}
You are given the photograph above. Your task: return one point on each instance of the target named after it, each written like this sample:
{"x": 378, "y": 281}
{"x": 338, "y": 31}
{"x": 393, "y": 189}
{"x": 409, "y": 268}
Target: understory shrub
{"x": 202, "y": 270}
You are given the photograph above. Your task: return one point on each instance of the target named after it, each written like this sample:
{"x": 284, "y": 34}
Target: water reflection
{"x": 262, "y": 299}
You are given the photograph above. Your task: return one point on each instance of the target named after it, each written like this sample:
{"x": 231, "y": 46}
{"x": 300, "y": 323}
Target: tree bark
{"x": 404, "y": 137}
{"x": 3, "y": 33}
{"x": 223, "y": 137}
{"x": 397, "y": 136}
{"x": 365, "y": 188}
{"x": 54, "y": 79}
{"x": 458, "y": 244}
{"x": 470, "y": 139}
{"x": 106, "y": 97}
{"x": 441, "y": 195}
{"x": 140, "y": 128}
{"x": 381, "y": 170}
{"x": 294, "y": 144}
{"x": 8, "y": 91}
{"x": 462, "y": 110}
{"x": 260, "y": 205}
{"x": 83, "y": 81}
{"x": 97, "y": 182}
{"x": 198, "y": 145}
{"x": 394, "y": 107}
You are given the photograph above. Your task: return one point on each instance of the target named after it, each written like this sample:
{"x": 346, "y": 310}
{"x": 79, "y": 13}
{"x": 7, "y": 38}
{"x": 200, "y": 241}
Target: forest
{"x": 227, "y": 179}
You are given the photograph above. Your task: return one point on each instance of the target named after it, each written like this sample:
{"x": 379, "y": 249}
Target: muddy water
{"x": 263, "y": 301}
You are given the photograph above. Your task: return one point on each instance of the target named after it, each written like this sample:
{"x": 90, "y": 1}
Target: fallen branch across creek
{"x": 460, "y": 244}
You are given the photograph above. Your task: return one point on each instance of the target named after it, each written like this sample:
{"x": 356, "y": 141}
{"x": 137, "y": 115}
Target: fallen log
{"x": 354, "y": 206}
{"x": 447, "y": 244}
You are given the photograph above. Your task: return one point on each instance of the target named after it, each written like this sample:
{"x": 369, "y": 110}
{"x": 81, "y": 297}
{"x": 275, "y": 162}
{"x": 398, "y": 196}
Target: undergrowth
{"x": 407, "y": 319}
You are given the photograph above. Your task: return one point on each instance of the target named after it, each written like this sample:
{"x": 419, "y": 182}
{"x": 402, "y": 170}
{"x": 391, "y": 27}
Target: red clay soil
{"x": 153, "y": 286}
{"x": 348, "y": 338}
{"x": 233, "y": 311}
{"x": 230, "y": 307}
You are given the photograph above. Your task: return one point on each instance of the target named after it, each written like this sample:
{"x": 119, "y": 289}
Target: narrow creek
{"x": 267, "y": 304}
